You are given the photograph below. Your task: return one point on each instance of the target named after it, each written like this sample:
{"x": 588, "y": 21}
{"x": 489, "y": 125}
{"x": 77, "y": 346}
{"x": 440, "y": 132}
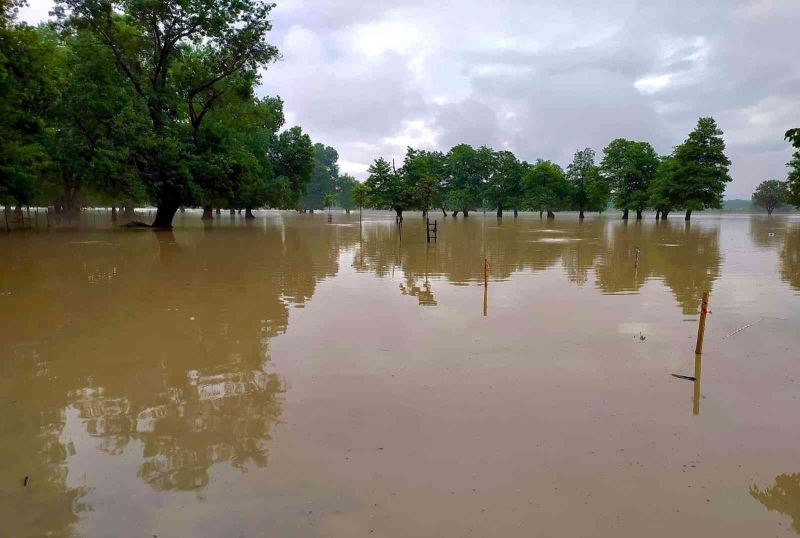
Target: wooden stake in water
{"x": 697, "y": 369}
{"x": 701, "y": 328}
{"x": 636, "y": 263}
{"x": 485, "y": 286}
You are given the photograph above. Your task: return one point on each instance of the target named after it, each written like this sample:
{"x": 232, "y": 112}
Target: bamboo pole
{"x": 701, "y": 328}
{"x": 485, "y": 286}
{"x": 697, "y": 367}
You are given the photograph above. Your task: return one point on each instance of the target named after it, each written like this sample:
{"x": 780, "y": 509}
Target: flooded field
{"x": 289, "y": 377}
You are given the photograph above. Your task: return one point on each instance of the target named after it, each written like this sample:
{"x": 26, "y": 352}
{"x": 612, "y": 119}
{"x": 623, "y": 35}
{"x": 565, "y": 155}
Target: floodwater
{"x": 290, "y": 377}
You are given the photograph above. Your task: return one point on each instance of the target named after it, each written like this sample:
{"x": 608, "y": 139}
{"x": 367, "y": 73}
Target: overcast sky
{"x": 541, "y": 79}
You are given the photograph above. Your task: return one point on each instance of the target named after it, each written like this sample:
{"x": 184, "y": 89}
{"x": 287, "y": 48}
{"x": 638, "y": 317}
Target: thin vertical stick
{"x": 636, "y": 263}
{"x": 701, "y": 328}
{"x": 697, "y": 367}
{"x": 485, "y": 286}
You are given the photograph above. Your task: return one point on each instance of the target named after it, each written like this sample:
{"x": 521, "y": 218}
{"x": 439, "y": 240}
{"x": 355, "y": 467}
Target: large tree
{"x": 701, "y": 168}
{"x": 630, "y": 168}
{"x": 177, "y": 56}
{"x": 504, "y": 188}
{"x": 468, "y": 171}
{"x": 769, "y": 195}
{"x": 663, "y": 192}
{"x": 588, "y": 189}
{"x": 388, "y": 189}
{"x": 344, "y": 191}
{"x": 545, "y": 187}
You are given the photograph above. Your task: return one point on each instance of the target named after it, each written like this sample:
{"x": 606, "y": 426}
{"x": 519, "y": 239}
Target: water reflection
{"x": 790, "y": 257}
{"x": 158, "y": 343}
{"x": 686, "y": 258}
{"x": 783, "y": 496}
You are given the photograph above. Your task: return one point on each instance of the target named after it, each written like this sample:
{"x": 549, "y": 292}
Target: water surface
{"x": 291, "y": 377}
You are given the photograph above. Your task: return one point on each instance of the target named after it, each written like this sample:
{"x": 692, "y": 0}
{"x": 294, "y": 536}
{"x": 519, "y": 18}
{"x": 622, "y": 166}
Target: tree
{"x": 793, "y": 180}
{"x": 770, "y": 194}
{"x": 504, "y": 188}
{"x": 629, "y": 168}
{"x": 30, "y": 78}
{"x": 293, "y": 160}
{"x": 425, "y": 173}
{"x": 588, "y": 189}
{"x": 344, "y": 191}
{"x": 663, "y": 193}
{"x": 468, "y": 170}
{"x": 701, "y": 168}
{"x": 329, "y": 200}
{"x": 360, "y": 197}
{"x": 177, "y": 57}
{"x": 545, "y": 187}
{"x": 387, "y": 188}
{"x": 324, "y": 177}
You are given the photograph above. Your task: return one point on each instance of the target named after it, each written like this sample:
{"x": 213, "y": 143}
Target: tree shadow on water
{"x": 783, "y": 497}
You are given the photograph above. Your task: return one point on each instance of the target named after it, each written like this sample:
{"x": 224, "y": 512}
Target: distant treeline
{"x": 630, "y": 177}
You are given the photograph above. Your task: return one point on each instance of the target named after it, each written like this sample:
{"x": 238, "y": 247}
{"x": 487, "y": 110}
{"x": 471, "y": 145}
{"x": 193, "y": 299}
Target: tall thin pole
{"x": 697, "y": 368}
{"x": 701, "y": 328}
{"x": 485, "y": 286}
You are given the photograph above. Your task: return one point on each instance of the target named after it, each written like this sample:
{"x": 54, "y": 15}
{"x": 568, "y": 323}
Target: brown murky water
{"x": 294, "y": 378}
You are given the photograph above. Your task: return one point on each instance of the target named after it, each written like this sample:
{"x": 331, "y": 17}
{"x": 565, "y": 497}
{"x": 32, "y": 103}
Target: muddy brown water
{"x": 289, "y": 377}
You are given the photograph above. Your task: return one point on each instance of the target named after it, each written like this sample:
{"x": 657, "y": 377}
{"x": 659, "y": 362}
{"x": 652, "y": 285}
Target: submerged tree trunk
{"x": 455, "y": 213}
{"x": 128, "y": 212}
{"x": 164, "y": 215}
{"x": 499, "y": 212}
{"x": 113, "y": 213}
{"x": 444, "y": 212}
{"x": 658, "y": 214}
{"x": 233, "y": 212}
{"x": 770, "y": 210}
{"x": 688, "y": 215}
{"x": 664, "y": 213}
{"x": 541, "y": 212}
{"x": 248, "y": 213}
{"x": 466, "y": 212}
{"x": 399, "y": 214}
{"x": 639, "y": 214}
{"x": 550, "y": 214}
{"x": 625, "y": 214}
{"x": 219, "y": 211}
{"x": 207, "y": 215}
{"x": 347, "y": 211}
{"x": 516, "y": 212}
{"x": 580, "y": 215}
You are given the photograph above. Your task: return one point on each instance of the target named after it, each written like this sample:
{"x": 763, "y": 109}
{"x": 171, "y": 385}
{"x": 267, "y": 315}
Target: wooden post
{"x": 485, "y": 286}
{"x": 697, "y": 368}
{"x": 701, "y": 328}
{"x": 427, "y": 230}
{"x": 636, "y": 263}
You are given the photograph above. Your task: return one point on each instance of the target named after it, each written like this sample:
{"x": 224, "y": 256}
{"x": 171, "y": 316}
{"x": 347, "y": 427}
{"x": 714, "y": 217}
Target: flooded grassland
{"x": 290, "y": 377}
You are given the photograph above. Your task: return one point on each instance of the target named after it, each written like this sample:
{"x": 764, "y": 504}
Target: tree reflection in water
{"x": 783, "y": 496}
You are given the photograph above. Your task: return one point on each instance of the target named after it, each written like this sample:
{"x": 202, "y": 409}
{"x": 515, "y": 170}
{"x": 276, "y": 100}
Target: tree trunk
{"x": 688, "y": 215}
{"x": 541, "y": 212}
{"x": 516, "y": 213}
{"x": 639, "y": 214}
{"x": 455, "y": 213}
{"x": 625, "y": 214}
{"x": 128, "y": 212}
{"x": 399, "y": 214}
{"x": 499, "y": 212}
{"x": 770, "y": 210}
{"x": 113, "y": 213}
{"x": 233, "y": 212}
{"x": 219, "y": 211}
{"x": 164, "y": 215}
{"x": 580, "y": 215}
{"x": 466, "y": 213}
{"x": 207, "y": 215}
{"x": 248, "y": 213}
{"x": 550, "y": 215}
{"x": 664, "y": 213}
{"x": 347, "y": 211}
{"x": 444, "y": 212}
{"x": 658, "y": 214}
{"x": 240, "y": 211}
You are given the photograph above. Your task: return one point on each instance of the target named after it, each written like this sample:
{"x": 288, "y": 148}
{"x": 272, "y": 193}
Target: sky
{"x": 542, "y": 79}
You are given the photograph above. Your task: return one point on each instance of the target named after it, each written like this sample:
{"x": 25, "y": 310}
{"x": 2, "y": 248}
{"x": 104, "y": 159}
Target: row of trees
{"x": 122, "y": 102}
{"x": 631, "y": 176}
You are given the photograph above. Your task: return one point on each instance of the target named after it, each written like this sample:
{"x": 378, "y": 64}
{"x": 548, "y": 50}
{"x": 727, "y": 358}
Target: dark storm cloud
{"x": 542, "y": 79}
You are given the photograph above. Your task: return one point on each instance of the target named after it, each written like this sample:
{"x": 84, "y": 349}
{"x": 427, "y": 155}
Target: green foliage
{"x": 545, "y": 187}
{"x": 468, "y": 171}
{"x": 360, "y": 195}
{"x": 504, "y": 187}
{"x": 793, "y": 136}
{"x": 589, "y": 190}
{"x": 629, "y": 167}
{"x": 324, "y": 177}
{"x": 770, "y": 194}
{"x": 701, "y": 167}
{"x": 387, "y": 188}
{"x": 293, "y": 158}
{"x": 793, "y": 180}
{"x": 329, "y": 200}
{"x": 344, "y": 191}
{"x": 425, "y": 172}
